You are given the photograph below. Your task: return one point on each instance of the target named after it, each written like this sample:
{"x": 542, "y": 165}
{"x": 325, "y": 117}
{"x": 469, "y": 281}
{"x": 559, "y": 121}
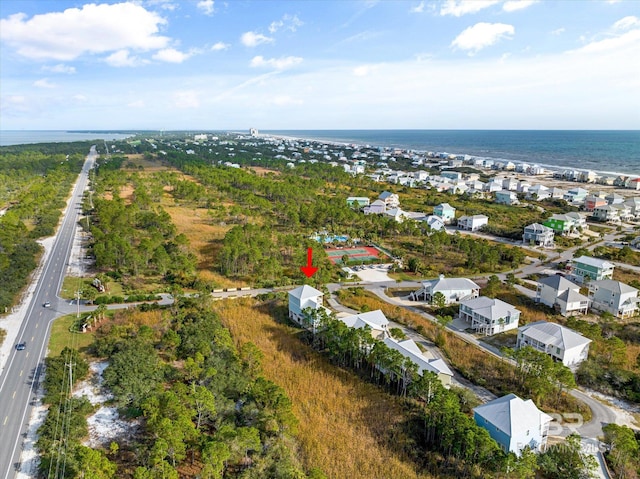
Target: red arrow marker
{"x": 309, "y": 270}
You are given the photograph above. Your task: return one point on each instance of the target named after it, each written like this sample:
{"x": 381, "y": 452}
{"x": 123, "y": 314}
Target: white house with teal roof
{"x": 514, "y": 423}
{"x": 562, "y": 344}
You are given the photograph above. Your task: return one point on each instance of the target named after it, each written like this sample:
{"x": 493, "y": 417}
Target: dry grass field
{"x": 347, "y": 428}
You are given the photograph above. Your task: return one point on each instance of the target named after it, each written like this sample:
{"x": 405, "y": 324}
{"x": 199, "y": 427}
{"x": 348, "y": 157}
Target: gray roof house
{"x": 376, "y": 321}
{"x": 562, "y": 295}
{"x": 614, "y": 297}
{"x": 453, "y": 289}
{"x": 538, "y": 234}
{"x": 409, "y": 349}
{"x": 489, "y": 315}
{"x": 559, "y": 342}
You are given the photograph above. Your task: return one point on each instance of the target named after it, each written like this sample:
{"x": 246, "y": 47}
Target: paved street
{"x": 18, "y": 383}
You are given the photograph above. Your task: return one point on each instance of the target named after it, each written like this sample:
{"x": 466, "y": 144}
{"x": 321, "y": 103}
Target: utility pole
{"x": 78, "y": 293}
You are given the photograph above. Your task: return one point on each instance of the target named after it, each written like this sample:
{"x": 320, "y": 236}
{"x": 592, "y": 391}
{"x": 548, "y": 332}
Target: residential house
{"x": 514, "y": 424}
{"x": 472, "y": 223}
{"x": 409, "y": 349}
{"x": 510, "y": 184}
{"x": 624, "y": 211}
{"x": 376, "y": 208}
{"x": 452, "y": 175}
{"x": 376, "y": 321}
{"x": 434, "y": 222}
{"x": 588, "y": 176}
{"x": 614, "y": 198}
{"x": 397, "y": 214}
{"x": 556, "y": 193}
{"x": 357, "y": 201}
{"x": 607, "y": 213}
{"x": 302, "y": 298}
{"x": 562, "y": 344}
{"x": 614, "y": 297}
{"x": 593, "y": 268}
{"x": 537, "y": 170}
{"x": 507, "y": 197}
{"x": 579, "y": 221}
{"x": 538, "y": 192}
{"x": 538, "y": 234}
{"x": 453, "y": 289}
{"x": 523, "y": 186}
{"x": 633, "y": 184}
{"x": 566, "y": 224}
{"x": 446, "y": 212}
{"x": 592, "y": 202}
{"x": 575, "y": 195}
{"x": 489, "y": 315}
{"x": 390, "y": 199}
{"x": 562, "y": 295}
{"x": 493, "y": 186}
{"x": 634, "y": 206}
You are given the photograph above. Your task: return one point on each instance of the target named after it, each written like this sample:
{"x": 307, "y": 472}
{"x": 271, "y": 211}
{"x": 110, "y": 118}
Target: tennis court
{"x": 363, "y": 253}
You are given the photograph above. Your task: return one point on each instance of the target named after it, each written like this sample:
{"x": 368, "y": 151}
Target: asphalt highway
{"x": 19, "y": 381}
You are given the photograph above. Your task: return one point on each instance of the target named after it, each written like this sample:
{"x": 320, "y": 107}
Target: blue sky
{"x": 320, "y": 64}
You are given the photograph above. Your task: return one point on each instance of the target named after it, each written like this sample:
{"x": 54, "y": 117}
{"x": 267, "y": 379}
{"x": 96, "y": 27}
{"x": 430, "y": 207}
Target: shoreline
{"x": 358, "y": 145}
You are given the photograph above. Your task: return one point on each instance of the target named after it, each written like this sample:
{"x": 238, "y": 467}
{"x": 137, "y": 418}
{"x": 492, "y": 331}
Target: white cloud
{"x": 253, "y": 39}
{"x": 418, "y": 8}
{"x": 281, "y": 63}
{"x": 627, "y": 23}
{"x": 80, "y": 98}
{"x": 624, "y": 35}
{"x": 92, "y": 29}
{"x": 288, "y": 22}
{"x": 121, "y": 58}
{"x": 206, "y": 6}
{"x": 482, "y": 35}
{"x": 171, "y": 55}
{"x": 44, "y": 83}
{"x": 136, "y": 104}
{"x": 220, "y": 46}
{"x": 457, "y": 8}
{"x": 186, "y": 99}
{"x": 60, "y": 68}
{"x": 514, "y": 5}
{"x": 630, "y": 39}
{"x": 558, "y": 31}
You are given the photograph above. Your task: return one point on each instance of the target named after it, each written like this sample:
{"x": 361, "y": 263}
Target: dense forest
{"x": 34, "y": 182}
{"x": 204, "y": 406}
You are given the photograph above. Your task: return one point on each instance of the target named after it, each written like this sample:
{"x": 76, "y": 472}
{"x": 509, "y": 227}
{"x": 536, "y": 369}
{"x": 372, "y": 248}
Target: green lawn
{"x": 61, "y": 337}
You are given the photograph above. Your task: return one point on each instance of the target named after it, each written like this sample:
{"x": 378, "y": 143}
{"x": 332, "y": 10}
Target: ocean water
{"x": 603, "y": 150}
{"x": 23, "y": 137}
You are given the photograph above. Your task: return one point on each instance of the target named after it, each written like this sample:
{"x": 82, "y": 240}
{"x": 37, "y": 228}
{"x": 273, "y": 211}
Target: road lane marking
{"x": 21, "y": 372}
{"x": 5, "y": 420}
{"x": 14, "y": 395}
{"x": 37, "y": 324}
{"x": 32, "y": 338}
{"x": 27, "y": 354}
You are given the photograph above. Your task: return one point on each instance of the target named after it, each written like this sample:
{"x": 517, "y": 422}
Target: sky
{"x": 319, "y": 64}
